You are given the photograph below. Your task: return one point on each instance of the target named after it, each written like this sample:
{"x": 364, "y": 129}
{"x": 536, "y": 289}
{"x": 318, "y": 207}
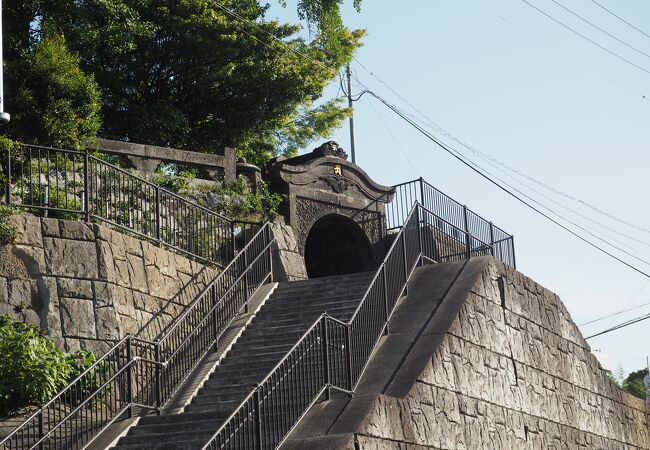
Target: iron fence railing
{"x": 455, "y": 219}
{"x": 138, "y": 375}
{"x": 77, "y": 185}
{"x": 332, "y": 354}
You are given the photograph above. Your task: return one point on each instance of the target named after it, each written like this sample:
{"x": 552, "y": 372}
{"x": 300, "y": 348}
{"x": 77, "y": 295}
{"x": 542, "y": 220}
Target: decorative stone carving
{"x": 309, "y": 211}
{"x": 330, "y": 148}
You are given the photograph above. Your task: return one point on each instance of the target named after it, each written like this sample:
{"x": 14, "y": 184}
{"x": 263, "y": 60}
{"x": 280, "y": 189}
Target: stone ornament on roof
{"x": 331, "y": 148}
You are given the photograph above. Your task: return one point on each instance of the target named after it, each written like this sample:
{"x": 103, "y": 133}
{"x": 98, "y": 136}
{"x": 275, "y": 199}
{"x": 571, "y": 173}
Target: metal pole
{"x": 158, "y": 380}
{"x": 352, "y": 148}
{"x": 129, "y": 378}
{"x": 8, "y": 187}
{"x": 4, "y": 117}
{"x": 86, "y": 197}
{"x": 468, "y": 242}
{"x": 158, "y": 234}
{"x": 348, "y": 355}
{"x": 492, "y": 239}
{"x": 257, "y": 418}
{"x": 326, "y": 360}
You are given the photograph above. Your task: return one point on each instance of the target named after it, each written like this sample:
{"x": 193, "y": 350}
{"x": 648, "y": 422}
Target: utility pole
{"x": 4, "y": 117}
{"x": 354, "y": 157}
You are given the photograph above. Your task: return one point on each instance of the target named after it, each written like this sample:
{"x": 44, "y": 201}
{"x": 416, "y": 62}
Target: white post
{"x": 4, "y": 117}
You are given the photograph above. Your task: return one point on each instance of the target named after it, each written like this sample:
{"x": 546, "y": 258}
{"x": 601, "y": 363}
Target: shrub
{"x": 32, "y": 369}
{"x": 239, "y": 201}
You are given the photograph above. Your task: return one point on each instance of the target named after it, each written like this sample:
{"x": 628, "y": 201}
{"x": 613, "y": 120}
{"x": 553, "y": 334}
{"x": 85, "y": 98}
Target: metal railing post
{"x": 422, "y": 190}
{"x": 8, "y": 187}
{"x": 468, "y": 250}
{"x": 232, "y": 238}
{"x": 417, "y": 211}
{"x": 158, "y": 234}
{"x": 245, "y": 281}
{"x": 270, "y": 251}
{"x": 492, "y": 238}
{"x": 215, "y": 319}
{"x": 41, "y": 427}
{"x": 257, "y": 418}
{"x": 385, "y": 288}
{"x": 86, "y": 197}
{"x": 158, "y": 380}
{"x": 406, "y": 269}
{"x": 348, "y": 355}
{"x": 326, "y": 359}
{"x": 129, "y": 378}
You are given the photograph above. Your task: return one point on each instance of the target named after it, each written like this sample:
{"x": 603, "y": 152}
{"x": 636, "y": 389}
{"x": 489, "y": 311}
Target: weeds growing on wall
{"x": 7, "y": 230}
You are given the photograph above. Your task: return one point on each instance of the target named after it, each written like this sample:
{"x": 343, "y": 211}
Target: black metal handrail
{"x": 451, "y": 212}
{"x": 137, "y": 374}
{"x": 333, "y": 354}
{"x": 72, "y": 184}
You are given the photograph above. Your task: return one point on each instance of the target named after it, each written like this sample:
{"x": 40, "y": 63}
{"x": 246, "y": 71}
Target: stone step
{"x": 156, "y": 439}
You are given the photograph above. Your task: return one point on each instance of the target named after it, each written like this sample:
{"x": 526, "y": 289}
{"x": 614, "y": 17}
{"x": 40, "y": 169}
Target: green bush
{"x": 32, "y": 369}
{"x": 57, "y": 198}
{"x": 239, "y": 201}
{"x": 7, "y": 230}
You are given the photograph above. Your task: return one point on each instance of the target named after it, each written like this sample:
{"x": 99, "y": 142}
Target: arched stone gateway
{"x": 336, "y": 245}
{"x": 331, "y": 200}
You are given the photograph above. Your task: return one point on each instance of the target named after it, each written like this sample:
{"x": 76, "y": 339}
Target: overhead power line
{"x": 560, "y": 50}
{"x": 621, "y": 325}
{"x": 620, "y": 18}
{"x": 622, "y": 58}
{"x": 498, "y": 162}
{"x": 614, "y": 314}
{"x": 480, "y": 172}
{"x": 600, "y": 29}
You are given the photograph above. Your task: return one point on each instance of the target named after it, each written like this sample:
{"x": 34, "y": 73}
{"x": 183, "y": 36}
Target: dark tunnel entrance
{"x": 336, "y": 246}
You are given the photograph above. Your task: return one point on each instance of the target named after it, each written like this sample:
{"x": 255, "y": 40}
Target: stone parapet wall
{"x": 512, "y": 372}
{"x": 87, "y": 285}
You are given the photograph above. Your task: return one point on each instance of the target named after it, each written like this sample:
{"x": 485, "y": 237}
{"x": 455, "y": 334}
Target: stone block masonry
{"x": 512, "y": 372}
{"x": 88, "y": 285}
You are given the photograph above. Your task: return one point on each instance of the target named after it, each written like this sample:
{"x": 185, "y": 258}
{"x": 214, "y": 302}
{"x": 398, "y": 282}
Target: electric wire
{"x": 620, "y": 325}
{"x": 488, "y": 157}
{"x": 560, "y": 50}
{"x": 397, "y": 143}
{"x": 620, "y": 18}
{"x": 600, "y": 29}
{"x": 501, "y": 187}
{"x": 614, "y": 314}
{"x": 622, "y": 58}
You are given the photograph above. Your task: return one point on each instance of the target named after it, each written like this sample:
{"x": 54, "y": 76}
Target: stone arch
{"x": 337, "y": 245}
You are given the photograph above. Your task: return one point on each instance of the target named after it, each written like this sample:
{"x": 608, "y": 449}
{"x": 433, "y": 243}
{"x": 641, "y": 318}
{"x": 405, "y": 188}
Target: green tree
{"x": 633, "y": 383}
{"x": 200, "y": 74}
{"x": 52, "y": 101}
{"x": 324, "y": 20}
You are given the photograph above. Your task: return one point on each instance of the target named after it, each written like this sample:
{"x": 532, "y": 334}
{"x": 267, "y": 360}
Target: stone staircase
{"x": 288, "y": 313}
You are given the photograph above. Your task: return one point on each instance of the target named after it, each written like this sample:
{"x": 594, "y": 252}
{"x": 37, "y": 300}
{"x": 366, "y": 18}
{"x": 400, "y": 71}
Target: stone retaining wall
{"x": 87, "y": 285}
{"x": 513, "y": 372}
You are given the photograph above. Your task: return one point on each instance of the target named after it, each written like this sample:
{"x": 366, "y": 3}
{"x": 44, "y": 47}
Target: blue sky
{"x": 514, "y": 84}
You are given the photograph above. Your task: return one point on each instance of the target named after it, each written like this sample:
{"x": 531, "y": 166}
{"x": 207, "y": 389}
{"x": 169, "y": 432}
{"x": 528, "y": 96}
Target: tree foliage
{"x": 198, "y": 74}
{"x": 53, "y": 102}
{"x": 633, "y": 383}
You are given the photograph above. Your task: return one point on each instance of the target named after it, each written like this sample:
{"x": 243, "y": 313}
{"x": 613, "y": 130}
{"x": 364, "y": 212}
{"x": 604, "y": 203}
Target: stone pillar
{"x": 288, "y": 263}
